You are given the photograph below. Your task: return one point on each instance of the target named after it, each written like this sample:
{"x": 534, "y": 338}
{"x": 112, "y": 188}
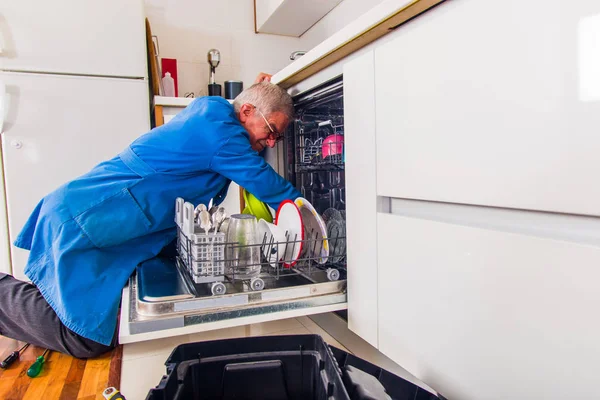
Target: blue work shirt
{"x": 86, "y": 238}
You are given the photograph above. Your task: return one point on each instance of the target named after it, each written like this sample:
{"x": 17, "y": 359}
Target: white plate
{"x": 331, "y": 213}
{"x": 272, "y": 238}
{"x": 336, "y": 231}
{"x": 289, "y": 220}
{"x": 315, "y": 232}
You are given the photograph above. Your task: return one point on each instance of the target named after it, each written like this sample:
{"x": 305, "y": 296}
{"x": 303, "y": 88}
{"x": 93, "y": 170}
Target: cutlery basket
{"x": 203, "y": 254}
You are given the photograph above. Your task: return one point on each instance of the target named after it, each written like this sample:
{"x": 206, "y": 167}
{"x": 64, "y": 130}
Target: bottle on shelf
{"x": 169, "y": 85}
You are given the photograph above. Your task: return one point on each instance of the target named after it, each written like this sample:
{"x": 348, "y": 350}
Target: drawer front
{"x": 482, "y": 313}
{"x": 506, "y": 117}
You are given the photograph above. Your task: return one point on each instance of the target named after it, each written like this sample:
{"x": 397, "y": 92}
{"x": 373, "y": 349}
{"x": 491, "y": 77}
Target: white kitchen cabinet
{"x": 57, "y": 128}
{"x": 361, "y": 196}
{"x": 493, "y": 103}
{"x": 483, "y": 104}
{"x": 290, "y": 17}
{"x": 69, "y": 36}
{"x": 166, "y": 108}
{"x": 484, "y": 314}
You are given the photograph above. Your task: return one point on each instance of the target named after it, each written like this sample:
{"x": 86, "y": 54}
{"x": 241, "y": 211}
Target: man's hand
{"x": 262, "y": 77}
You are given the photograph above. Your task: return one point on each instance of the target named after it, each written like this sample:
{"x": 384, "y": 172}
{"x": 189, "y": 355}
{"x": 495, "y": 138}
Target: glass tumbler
{"x": 243, "y": 247}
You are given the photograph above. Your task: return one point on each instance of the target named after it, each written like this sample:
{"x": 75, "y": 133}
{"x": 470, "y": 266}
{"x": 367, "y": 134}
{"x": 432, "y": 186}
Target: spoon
{"x": 224, "y": 225}
{"x": 218, "y": 218}
{"x": 214, "y": 221}
{"x": 205, "y": 222}
{"x": 199, "y": 208}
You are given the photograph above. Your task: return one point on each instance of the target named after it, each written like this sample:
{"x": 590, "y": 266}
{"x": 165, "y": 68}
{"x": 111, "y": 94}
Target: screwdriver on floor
{"x": 36, "y": 367}
{"x": 12, "y": 357}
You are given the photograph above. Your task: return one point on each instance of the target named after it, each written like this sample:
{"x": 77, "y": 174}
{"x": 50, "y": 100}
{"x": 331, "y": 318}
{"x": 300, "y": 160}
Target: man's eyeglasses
{"x": 277, "y": 137}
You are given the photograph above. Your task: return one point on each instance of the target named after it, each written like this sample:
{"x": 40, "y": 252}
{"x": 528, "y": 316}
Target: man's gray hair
{"x": 268, "y": 98}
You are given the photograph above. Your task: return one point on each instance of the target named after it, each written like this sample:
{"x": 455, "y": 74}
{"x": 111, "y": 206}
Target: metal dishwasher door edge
{"x": 230, "y": 310}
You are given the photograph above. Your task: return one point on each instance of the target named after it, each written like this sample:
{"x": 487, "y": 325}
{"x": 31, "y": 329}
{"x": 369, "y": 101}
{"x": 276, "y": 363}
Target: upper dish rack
{"x": 319, "y": 144}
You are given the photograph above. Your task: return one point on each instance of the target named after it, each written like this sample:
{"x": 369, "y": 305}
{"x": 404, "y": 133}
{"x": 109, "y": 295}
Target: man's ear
{"x": 245, "y": 111}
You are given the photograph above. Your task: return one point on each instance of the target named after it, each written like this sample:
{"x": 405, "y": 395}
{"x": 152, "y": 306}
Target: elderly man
{"x": 86, "y": 238}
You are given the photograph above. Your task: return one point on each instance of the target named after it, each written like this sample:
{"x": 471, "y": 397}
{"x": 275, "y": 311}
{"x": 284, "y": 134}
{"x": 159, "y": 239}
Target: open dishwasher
{"x": 199, "y": 289}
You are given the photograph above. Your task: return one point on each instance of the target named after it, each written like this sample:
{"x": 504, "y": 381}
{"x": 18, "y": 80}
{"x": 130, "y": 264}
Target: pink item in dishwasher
{"x": 332, "y": 145}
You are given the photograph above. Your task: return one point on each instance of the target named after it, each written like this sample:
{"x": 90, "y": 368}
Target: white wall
{"x": 187, "y": 29}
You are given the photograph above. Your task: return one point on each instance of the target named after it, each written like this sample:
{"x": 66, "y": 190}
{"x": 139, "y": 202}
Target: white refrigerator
{"x": 73, "y": 92}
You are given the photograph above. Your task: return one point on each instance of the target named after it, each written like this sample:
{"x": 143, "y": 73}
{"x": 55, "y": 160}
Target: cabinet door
{"x": 361, "y": 196}
{"x": 70, "y": 36}
{"x": 490, "y": 314}
{"x": 288, "y": 17}
{"x": 57, "y": 128}
{"x": 493, "y": 103}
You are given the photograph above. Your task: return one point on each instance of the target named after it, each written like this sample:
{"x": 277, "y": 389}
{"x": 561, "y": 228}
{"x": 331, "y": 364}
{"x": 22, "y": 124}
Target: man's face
{"x": 258, "y": 129}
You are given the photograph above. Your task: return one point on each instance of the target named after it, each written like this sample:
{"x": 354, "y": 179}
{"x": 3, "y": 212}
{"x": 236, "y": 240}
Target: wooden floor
{"x": 63, "y": 377}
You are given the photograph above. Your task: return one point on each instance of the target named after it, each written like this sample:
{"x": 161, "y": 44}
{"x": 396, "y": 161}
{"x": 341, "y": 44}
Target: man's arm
{"x": 237, "y": 161}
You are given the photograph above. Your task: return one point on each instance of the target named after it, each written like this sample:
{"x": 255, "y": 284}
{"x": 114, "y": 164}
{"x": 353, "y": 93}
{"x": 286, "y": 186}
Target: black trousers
{"x": 26, "y": 316}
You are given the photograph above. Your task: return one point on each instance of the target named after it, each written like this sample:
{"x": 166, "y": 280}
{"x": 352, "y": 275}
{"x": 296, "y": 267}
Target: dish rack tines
{"x": 278, "y": 257}
{"x": 282, "y": 258}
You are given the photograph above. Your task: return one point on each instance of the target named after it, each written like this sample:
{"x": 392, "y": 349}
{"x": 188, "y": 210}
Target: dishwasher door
{"x": 160, "y": 301}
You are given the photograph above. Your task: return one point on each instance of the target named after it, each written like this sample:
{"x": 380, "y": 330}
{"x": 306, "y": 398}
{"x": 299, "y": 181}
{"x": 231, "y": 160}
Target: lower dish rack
{"x": 199, "y": 285}
{"x": 210, "y": 260}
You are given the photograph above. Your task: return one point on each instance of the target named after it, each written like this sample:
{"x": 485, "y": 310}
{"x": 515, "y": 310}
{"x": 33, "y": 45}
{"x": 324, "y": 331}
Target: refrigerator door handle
{"x": 3, "y": 104}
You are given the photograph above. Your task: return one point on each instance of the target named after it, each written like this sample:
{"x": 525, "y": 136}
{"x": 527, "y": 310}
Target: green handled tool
{"x": 36, "y": 367}
{"x": 12, "y": 357}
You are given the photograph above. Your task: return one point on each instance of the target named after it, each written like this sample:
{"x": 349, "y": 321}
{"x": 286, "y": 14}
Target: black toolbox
{"x": 277, "y": 368}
